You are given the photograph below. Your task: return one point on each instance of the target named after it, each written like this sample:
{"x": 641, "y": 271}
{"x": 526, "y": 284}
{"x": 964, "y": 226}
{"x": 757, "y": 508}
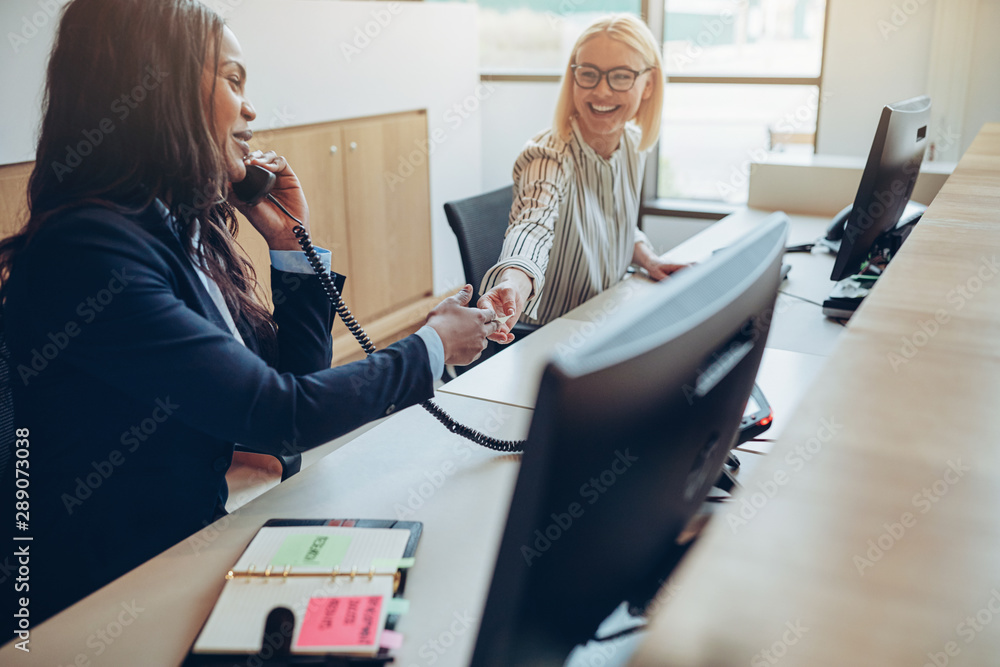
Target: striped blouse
{"x": 573, "y": 224}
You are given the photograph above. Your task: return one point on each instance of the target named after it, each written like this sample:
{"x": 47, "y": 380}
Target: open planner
{"x": 338, "y": 584}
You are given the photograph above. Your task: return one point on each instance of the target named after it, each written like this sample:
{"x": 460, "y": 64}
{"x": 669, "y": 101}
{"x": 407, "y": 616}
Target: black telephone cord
{"x": 326, "y": 281}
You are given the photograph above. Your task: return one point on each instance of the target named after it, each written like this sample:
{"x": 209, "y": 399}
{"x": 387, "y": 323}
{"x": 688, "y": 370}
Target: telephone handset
{"x": 257, "y": 184}
{"x": 254, "y": 189}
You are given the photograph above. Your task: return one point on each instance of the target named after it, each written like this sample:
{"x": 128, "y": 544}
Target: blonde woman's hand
{"x": 658, "y": 270}
{"x": 507, "y": 299}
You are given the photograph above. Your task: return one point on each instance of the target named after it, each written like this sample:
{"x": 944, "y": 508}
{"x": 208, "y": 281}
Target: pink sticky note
{"x": 391, "y": 640}
{"x": 350, "y": 621}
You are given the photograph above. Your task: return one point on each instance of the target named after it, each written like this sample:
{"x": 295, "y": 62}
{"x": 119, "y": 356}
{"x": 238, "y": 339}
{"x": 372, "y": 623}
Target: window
{"x": 744, "y": 79}
{"x": 743, "y": 82}
{"x": 535, "y": 36}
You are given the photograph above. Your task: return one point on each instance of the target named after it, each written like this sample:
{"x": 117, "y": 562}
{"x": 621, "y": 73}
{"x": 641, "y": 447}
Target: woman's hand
{"x": 656, "y": 268}
{"x": 463, "y": 330}
{"x": 507, "y": 298}
{"x": 659, "y": 270}
{"x": 273, "y": 225}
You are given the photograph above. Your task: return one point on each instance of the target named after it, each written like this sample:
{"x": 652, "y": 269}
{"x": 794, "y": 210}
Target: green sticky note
{"x": 392, "y": 563}
{"x": 323, "y": 551}
{"x": 397, "y": 606}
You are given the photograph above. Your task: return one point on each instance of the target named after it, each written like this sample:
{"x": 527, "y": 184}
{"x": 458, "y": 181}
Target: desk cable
{"x": 800, "y": 298}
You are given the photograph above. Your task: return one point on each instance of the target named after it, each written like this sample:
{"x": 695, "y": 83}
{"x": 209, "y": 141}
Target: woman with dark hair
{"x": 139, "y": 353}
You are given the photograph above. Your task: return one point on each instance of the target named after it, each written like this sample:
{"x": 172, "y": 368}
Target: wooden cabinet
{"x": 375, "y": 221}
{"x": 371, "y": 213}
{"x": 388, "y": 215}
{"x": 313, "y": 154}
{"x": 14, "y": 197}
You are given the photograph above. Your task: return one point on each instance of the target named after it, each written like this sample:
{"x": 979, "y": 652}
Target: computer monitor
{"x": 628, "y": 436}
{"x": 887, "y": 183}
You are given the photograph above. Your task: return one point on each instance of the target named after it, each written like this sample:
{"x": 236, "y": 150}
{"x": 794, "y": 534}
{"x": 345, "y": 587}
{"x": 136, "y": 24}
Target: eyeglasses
{"x": 620, "y": 79}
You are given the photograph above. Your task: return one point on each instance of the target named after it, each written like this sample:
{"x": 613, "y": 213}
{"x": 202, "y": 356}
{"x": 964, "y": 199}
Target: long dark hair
{"x": 124, "y": 122}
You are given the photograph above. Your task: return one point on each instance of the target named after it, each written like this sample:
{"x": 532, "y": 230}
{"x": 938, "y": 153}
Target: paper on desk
{"x": 397, "y": 606}
{"x": 356, "y": 547}
{"x": 309, "y": 550}
{"x": 236, "y": 624}
{"x": 391, "y": 640}
{"x": 333, "y": 622}
{"x": 849, "y": 289}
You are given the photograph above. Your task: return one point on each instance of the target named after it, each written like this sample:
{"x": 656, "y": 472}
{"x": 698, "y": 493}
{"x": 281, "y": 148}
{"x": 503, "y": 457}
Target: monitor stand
{"x": 846, "y": 296}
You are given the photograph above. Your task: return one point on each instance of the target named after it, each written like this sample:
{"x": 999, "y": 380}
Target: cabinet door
{"x": 14, "y": 197}
{"x": 388, "y": 218}
{"x": 315, "y": 155}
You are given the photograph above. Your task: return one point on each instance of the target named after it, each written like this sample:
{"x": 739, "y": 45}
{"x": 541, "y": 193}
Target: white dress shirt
{"x": 573, "y": 224}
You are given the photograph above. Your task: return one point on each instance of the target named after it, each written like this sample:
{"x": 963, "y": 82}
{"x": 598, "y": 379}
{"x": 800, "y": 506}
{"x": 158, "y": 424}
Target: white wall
{"x": 27, "y": 31}
{"x": 867, "y": 66}
{"x": 425, "y": 56}
{"x": 983, "y": 101}
{"x": 878, "y": 51}
{"x": 513, "y": 113}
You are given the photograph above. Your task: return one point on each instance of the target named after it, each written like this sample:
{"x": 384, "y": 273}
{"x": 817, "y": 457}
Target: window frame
{"x": 652, "y": 12}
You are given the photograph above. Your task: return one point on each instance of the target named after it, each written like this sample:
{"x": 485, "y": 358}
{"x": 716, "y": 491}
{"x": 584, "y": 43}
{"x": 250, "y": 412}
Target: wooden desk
{"x": 512, "y": 376}
{"x": 850, "y": 563}
{"x": 461, "y": 492}
{"x": 784, "y": 376}
{"x": 408, "y": 467}
{"x": 798, "y": 325}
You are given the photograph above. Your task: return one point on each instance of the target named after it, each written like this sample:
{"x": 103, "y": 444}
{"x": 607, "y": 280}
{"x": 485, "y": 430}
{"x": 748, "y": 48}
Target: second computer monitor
{"x": 887, "y": 183}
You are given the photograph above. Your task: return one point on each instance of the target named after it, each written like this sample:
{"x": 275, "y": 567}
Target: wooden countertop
{"x": 882, "y": 546}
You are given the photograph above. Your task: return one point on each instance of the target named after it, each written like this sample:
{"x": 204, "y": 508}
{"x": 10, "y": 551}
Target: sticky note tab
{"x": 397, "y": 606}
{"x": 392, "y": 563}
{"x": 391, "y": 640}
{"x": 348, "y": 621}
{"x": 323, "y": 551}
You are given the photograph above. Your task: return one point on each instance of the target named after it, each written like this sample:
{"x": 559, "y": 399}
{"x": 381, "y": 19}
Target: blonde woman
{"x": 573, "y": 225}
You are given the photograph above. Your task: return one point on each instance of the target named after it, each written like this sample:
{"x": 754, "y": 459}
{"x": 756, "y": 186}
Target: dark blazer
{"x": 134, "y": 392}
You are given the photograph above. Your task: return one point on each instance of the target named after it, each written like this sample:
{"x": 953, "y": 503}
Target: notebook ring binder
{"x": 226, "y": 636}
{"x": 287, "y": 573}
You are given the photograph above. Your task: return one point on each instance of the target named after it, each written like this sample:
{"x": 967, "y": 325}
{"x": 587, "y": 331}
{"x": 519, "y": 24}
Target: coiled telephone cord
{"x": 326, "y": 281}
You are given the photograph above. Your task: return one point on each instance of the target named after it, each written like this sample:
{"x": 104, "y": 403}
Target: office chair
{"x": 480, "y": 223}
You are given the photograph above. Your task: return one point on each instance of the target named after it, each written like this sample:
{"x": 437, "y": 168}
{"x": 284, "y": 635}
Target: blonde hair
{"x": 632, "y": 32}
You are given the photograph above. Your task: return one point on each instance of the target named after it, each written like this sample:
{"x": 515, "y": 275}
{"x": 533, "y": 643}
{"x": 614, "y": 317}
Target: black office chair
{"x": 479, "y": 224}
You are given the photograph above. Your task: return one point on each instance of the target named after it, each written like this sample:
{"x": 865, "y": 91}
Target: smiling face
{"x": 602, "y": 112}
{"x": 230, "y": 110}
